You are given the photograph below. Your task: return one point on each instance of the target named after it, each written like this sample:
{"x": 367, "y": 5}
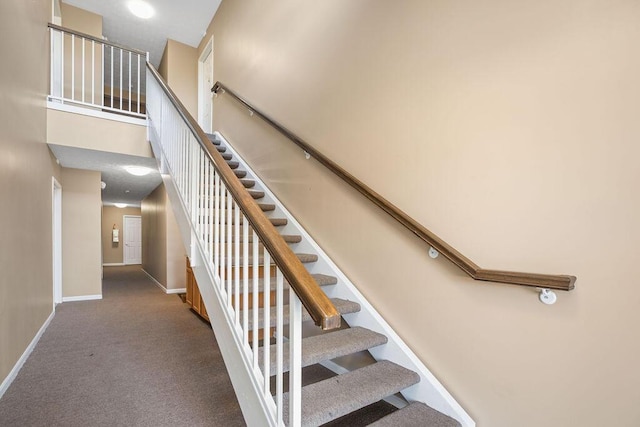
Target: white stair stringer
{"x": 255, "y": 409}
{"x": 429, "y": 390}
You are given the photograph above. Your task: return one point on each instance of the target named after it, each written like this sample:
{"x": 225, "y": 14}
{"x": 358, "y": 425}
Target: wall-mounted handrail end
{"x": 545, "y": 281}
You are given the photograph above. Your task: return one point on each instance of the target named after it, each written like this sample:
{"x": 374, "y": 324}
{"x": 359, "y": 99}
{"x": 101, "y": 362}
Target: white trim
{"x": 82, "y": 298}
{"x": 202, "y": 92}
{"x": 27, "y": 352}
{"x": 95, "y": 113}
{"x": 113, "y": 264}
{"x": 161, "y": 286}
{"x": 429, "y": 390}
{"x": 56, "y": 237}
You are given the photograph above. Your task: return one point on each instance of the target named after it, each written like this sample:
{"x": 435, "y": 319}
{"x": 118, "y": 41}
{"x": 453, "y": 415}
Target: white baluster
{"x": 129, "y": 82}
{"x": 121, "y": 79}
{"x": 295, "y": 360}
{"x": 111, "y": 78}
{"x": 93, "y": 72}
{"x": 102, "y": 81}
{"x": 216, "y": 221}
{"x": 210, "y": 208}
{"x": 73, "y": 66}
{"x": 230, "y": 259}
{"x": 223, "y": 234}
{"x": 245, "y": 279}
{"x": 83, "y": 80}
{"x": 138, "y": 55}
{"x": 255, "y": 304}
{"x": 266, "y": 309}
{"x": 279, "y": 343}
{"x": 236, "y": 278}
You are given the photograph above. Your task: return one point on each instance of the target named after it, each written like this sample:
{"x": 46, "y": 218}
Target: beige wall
{"x": 163, "y": 252}
{"x": 81, "y": 20}
{"x": 509, "y": 129}
{"x": 81, "y": 222}
{"x": 82, "y": 131}
{"x": 179, "y": 68}
{"x": 112, "y": 252}
{"x": 26, "y": 168}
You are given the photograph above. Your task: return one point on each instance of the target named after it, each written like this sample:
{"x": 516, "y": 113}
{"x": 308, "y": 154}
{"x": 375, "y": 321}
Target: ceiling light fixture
{"x": 120, "y": 205}
{"x": 137, "y": 170}
{"x": 141, "y": 9}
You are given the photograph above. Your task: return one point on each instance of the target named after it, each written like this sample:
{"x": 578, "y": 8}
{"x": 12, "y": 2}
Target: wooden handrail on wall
{"x": 321, "y": 309}
{"x": 548, "y": 281}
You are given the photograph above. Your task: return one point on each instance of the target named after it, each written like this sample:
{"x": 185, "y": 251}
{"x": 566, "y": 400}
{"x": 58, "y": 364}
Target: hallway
{"x": 136, "y": 358}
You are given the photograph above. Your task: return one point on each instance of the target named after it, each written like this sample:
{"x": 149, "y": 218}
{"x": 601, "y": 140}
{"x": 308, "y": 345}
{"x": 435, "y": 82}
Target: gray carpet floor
{"x": 138, "y": 357}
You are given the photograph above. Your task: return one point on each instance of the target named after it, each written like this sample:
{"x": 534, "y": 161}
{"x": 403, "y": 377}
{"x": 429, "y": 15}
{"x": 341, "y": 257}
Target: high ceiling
{"x": 182, "y": 20}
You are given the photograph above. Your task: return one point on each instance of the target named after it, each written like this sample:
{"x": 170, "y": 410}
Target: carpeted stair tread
{"x": 417, "y": 414}
{"x": 289, "y": 238}
{"x": 328, "y": 346}
{"x": 324, "y": 279}
{"x": 337, "y": 396}
{"x": 240, "y": 173}
{"x": 248, "y": 183}
{"x": 256, "y": 194}
{"x": 304, "y": 258}
{"x": 213, "y": 139}
{"x": 221, "y": 149}
{"x": 343, "y": 307}
{"x": 263, "y": 206}
{"x": 227, "y": 156}
{"x": 233, "y": 164}
{"x": 275, "y": 221}
{"x": 321, "y": 280}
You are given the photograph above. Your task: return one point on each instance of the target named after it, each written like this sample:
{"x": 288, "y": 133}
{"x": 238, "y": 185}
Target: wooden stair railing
{"x": 320, "y": 308}
{"x": 547, "y": 281}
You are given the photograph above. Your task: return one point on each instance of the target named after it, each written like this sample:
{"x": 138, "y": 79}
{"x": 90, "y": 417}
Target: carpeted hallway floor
{"x": 138, "y": 357}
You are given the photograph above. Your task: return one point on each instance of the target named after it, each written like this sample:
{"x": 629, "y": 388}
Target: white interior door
{"x": 205, "y": 68}
{"x": 132, "y": 251}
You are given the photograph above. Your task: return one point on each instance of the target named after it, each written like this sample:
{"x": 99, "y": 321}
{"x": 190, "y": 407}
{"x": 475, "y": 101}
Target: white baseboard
{"x": 14, "y": 372}
{"x": 113, "y": 264}
{"x": 82, "y": 298}
{"x": 161, "y": 286}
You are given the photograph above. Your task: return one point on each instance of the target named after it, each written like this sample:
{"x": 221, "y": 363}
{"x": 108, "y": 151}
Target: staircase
{"x": 243, "y": 243}
{"x": 337, "y": 396}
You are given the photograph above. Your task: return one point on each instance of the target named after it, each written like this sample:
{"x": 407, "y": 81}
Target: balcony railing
{"x": 93, "y": 73}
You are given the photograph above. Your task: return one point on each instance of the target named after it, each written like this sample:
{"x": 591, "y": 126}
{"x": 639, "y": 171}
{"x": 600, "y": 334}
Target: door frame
{"x": 203, "y": 90}
{"x": 56, "y": 239}
{"x": 124, "y": 237}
